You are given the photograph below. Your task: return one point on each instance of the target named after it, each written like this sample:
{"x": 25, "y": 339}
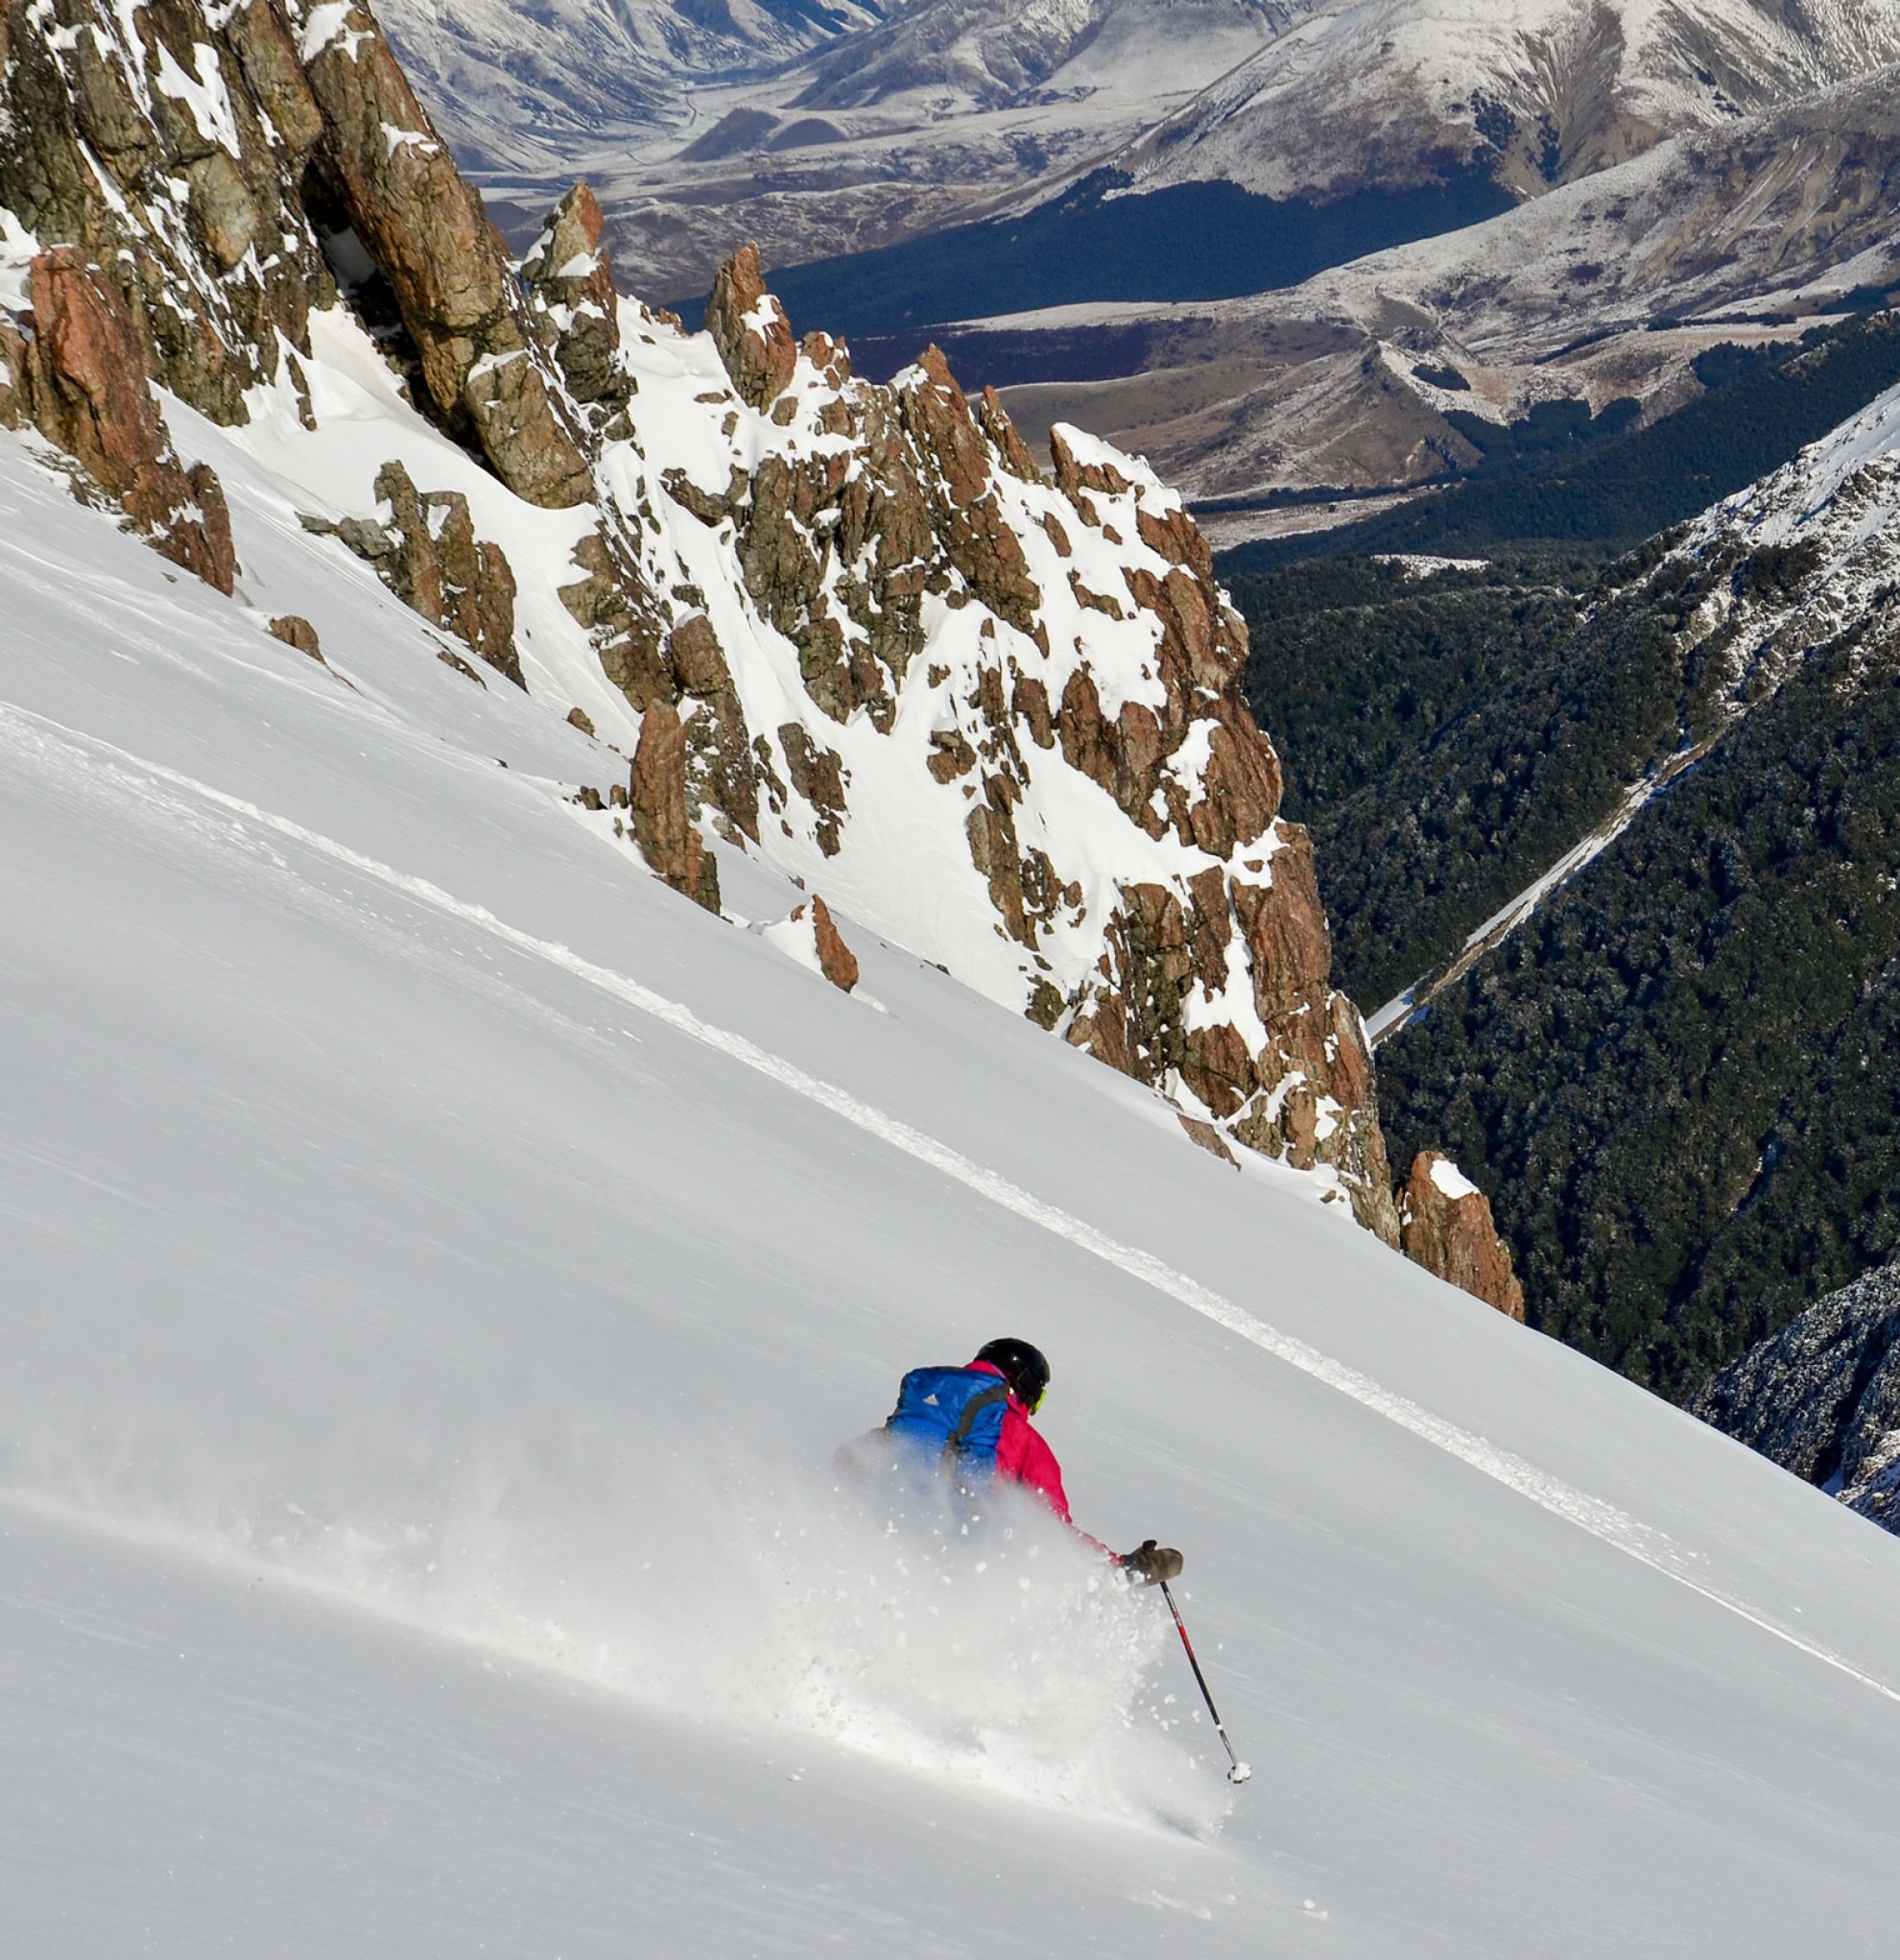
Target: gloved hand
{"x": 1149, "y": 1563}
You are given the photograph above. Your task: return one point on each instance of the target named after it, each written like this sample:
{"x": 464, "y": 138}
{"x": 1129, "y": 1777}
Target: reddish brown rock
{"x": 92, "y": 397}
{"x": 15, "y": 371}
{"x": 623, "y": 618}
{"x": 1218, "y": 1069}
{"x": 1288, "y": 948}
{"x": 832, "y": 358}
{"x": 1178, "y": 538}
{"x": 836, "y": 960}
{"x": 427, "y": 553}
{"x": 571, "y": 277}
{"x": 200, "y": 538}
{"x": 720, "y": 763}
{"x": 817, "y": 775}
{"x": 1445, "y": 1226}
{"x": 95, "y": 144}
{"x": 960, "y": 485}
{"x": 750, "y": 330}
{"x": 1075, "y": 478}
{"x": 295, "y": 631}
{"x": 1210, "y": 1140}
{"x": 261, "y": 37}
{"x": 424, "y": 226}
{"x": 1241, "y": 784}
{"x": 662, "y": 826}
{"x": 1006, "y": 439}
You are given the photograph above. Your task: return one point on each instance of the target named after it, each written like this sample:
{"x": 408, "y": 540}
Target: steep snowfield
{"x": 441, "y": 1263}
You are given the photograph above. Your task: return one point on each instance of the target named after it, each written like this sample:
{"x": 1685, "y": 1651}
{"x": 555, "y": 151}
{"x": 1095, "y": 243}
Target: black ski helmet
{"x": 1021, "y": 1364}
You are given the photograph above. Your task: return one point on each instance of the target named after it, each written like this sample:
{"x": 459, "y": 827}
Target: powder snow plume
{"x": 901, "y": 1618}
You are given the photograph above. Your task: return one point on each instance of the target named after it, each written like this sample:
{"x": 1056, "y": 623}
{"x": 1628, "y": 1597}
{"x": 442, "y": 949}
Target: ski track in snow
{"x": 31, "y": 734}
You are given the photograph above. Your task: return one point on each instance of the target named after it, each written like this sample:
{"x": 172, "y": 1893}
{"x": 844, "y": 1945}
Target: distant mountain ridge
{"x": 1542, "y": 92}
{"x": 514, "y": 81}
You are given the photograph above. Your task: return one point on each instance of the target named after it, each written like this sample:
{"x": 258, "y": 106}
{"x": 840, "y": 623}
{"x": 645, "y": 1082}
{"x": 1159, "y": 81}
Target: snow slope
{"x": 442, "y": 1263}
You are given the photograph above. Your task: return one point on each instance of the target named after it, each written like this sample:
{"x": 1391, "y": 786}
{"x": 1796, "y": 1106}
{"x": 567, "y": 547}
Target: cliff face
{"x": 1823, "y": 1396}
{"x": 856, "y": 630}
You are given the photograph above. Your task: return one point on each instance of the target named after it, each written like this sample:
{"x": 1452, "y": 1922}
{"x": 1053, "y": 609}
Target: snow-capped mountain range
{"x": 934, "y": 115}
{"x": 518, "y": 81}
{"x": 1600, "y": 289}
{"x": 1713, "y": 157}
{"x": 1537, "y": 92}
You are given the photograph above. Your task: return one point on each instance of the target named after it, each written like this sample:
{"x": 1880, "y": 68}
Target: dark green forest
{"x": 1679, "y": 1081}
{"x": 1447, "y": 738}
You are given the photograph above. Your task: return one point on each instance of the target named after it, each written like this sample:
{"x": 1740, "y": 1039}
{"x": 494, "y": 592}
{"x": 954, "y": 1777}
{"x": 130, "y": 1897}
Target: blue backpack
{"x": 952, "y": 1416}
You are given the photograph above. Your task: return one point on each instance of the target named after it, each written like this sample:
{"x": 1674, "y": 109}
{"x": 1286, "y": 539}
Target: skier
{"x": 973, "y": 1422}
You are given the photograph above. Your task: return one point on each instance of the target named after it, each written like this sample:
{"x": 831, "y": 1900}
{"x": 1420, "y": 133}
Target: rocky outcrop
{"x": 811, "y": 936}
{"x": 176, "y": 170}
{"x": 1823, "y": 1396}
{"x": 189, "y": 150}
{"x": 89, "y": 395}
{"x": 1093, "y": 641}
{"x": 662, "y": 827}
{"x": 854, "y": 621}
{"x": 569, "y": 276}
{"x": 295, "y": 631}
{"x": 837, "y": 962}
{"x": 1445, "y": 1226}
{"x": 750, "y": 330}
{"x": 426, "y": 551}
{"x": 423, "y": 225}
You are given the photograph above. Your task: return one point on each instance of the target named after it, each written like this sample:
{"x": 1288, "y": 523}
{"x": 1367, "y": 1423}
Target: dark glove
{"x": 1149, "y": 1563}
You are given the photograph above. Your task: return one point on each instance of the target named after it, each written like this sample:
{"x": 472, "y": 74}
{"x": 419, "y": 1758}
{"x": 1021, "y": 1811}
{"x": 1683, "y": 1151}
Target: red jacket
{"x": 1023, "y": 1456}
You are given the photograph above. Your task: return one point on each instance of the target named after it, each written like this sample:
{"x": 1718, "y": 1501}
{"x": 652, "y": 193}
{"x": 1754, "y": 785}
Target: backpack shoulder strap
{"x": 984, "y": 1398}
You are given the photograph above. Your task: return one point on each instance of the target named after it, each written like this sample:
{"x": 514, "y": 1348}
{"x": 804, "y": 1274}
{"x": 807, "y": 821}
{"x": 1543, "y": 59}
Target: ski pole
{"x": 1241, "y": 1771}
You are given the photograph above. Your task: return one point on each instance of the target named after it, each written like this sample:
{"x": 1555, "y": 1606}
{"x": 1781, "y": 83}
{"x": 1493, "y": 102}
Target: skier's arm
{"x": 1023, "y": 1455}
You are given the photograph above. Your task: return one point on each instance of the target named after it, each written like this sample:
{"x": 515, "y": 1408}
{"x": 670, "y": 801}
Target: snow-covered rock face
{"x": 1537, "y": 92}
{"x": 853, "y": 627}
{"x": 1823, "y": 1396}
{"x": 1811, "y": 553}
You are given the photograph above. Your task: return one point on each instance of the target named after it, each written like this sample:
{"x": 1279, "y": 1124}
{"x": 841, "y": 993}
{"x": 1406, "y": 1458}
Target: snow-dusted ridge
{"x": 994, "y": 714}
{"x": 1799, "y": 563}
{"x": 1540, "y": 91}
